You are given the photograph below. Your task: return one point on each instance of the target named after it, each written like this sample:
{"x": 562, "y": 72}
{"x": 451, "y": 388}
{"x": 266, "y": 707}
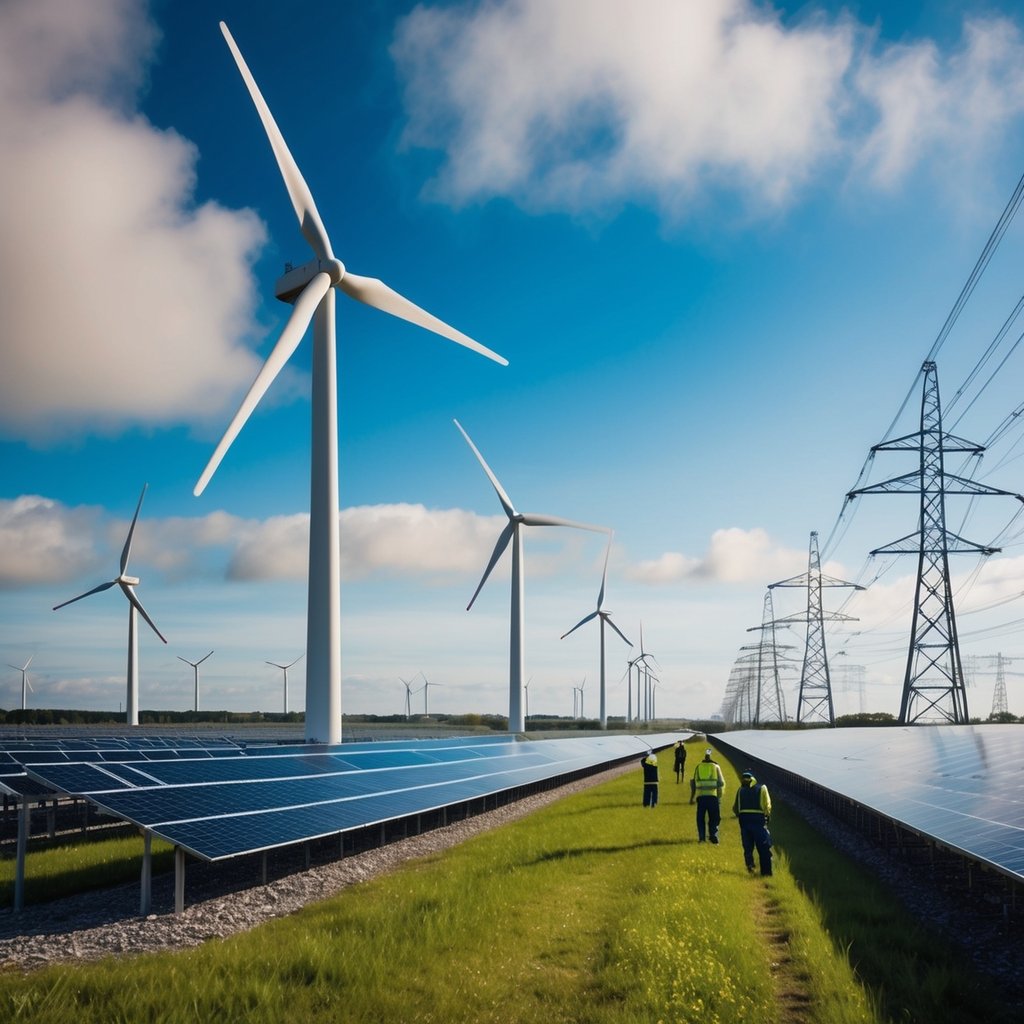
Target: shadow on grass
{"x": 915, "y": 974}
{"x": 585, "y": 851}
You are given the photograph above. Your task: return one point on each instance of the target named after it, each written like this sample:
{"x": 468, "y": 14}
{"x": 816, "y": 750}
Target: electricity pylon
{"x": 815, "y": 700}
{"x": 933, "y": 685}
{"x": 769, "y": 702}
{"x": 1000, "y": 704}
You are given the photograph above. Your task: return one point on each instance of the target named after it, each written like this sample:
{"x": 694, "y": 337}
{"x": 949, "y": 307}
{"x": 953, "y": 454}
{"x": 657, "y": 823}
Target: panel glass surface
{"x": 962, "y": 785}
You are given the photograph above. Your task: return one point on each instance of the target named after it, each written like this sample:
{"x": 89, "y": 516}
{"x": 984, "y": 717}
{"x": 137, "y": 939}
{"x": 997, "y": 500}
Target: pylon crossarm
{"x": 908, "y": 483}
{"x": 912, "y": 442}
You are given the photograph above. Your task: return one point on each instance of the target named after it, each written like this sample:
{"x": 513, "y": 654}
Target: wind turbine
{"x": 25, "y": 684}
{"x": 526, "y": 694}
{"x": 512, "y": 534}
{"x": 580, "y": 688}
{"x": 195, "y": 667}
{"x": 408, "y": 697}
{"x": 643, "y": 659}
{"x": 605, "y": 617}
{"x": 310, "y": 290}
{"x": 127, "y": 585}
{"x": 426, "y": 691}
{"x": 285, "y": 668}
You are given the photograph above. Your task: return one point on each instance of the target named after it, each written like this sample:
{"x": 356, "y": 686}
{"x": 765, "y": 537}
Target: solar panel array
{"x": 223, "y": 807}
{"x": 15, "y": 754}
{"x": 962, "y": 785}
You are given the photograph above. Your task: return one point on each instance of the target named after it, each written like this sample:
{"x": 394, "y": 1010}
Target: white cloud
{"x": 573, "y": 106}
{"x": 734, "y": 555}
{"x": 932, "y": 103}
{"x": 123, "y": 301}
{"x": 41, "y": 541}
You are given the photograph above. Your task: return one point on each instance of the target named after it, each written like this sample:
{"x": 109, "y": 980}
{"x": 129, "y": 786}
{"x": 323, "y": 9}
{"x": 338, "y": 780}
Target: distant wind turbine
{"x": 605, "y": 617}
{"x": 285, "y": 668}
{"x": 195, "y": 668}
{"x": 310, "y": 290}
{"x": 127, "y": 585}
{"x": 426, "y": 692}
{"x": 25, "y": 684}
{"x": 512, "y": 534}
{"x": 408, "y": 697}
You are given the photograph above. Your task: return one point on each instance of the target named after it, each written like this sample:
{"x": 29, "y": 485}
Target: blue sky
{"x": 715, "y": 243}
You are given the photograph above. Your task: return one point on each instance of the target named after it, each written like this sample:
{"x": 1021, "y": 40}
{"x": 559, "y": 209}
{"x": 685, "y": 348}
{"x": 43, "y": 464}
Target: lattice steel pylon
{"x": 1000, "y": 705}
{"x": 815, "y": 700}
{"x": 933, "y": 685}
{"x": 768, "y": 700}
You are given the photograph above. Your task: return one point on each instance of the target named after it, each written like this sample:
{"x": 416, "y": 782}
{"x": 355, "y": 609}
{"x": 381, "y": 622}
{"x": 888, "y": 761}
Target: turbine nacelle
{"x": 128, "y": 581}
{"x": 290, "y": 285}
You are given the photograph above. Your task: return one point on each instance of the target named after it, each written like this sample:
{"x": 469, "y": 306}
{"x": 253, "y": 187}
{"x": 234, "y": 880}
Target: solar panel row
{"x": 223, "y": 808}
{"x": 962, "y": 785}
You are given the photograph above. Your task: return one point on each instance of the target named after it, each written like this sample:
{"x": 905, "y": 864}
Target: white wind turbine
{"x": 128, "y": 585}
{"x": 408, "y": 696}
{"x": 25, "y": 684}
{"x": 427, "y": 684}
{"x": 512, "y": 534}
{"x": 605, "y": 617}
{"x": 285, "y": 668}
{"x": 310, "y": 289}
{"x": 195, "y": 668}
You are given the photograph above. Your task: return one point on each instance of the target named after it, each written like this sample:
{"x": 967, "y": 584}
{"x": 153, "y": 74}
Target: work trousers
{"x": 650, "y": 794}
{"x": 709, "y": 816}
{"x": 754, "y": 834}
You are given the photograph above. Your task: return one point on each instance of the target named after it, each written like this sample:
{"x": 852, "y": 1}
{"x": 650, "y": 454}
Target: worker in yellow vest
{"x": 753, "y": 807}
{"x": 706, "y": 789}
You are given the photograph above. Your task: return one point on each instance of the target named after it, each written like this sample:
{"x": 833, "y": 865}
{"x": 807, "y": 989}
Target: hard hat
{"x": 748, "y": 775}
{"x": 707, "y": 753}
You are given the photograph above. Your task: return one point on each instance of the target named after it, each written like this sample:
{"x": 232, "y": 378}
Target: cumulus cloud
{"x": 42, "y": 541}
{"x": 572, "y": 106}
{"x": 124, "y": 302}
{"x": 734, "y": 555}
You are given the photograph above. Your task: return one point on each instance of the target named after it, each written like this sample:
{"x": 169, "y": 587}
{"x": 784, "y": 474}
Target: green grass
{"x": 71, "y": 865}
{"x": 593, "y": 910}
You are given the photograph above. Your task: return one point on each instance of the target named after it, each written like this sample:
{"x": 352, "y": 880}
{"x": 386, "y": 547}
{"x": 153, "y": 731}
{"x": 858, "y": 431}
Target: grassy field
{"x": 592, "y": 910}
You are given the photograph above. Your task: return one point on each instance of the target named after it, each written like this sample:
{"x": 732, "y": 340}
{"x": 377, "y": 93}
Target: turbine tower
{"x": 408, "y": 696}
{"x": 25, "y": 684}
{"x": 933, "y": 685}
{"x": 195, "y": 668}
{"x": 604, "y": 617}
{"x": 285, "y": 668}
{"x": 512, "y": 534}
{"x": 427, "y": 684}
{"x": 310, "y": 290}
{"x": 127, "y": 585}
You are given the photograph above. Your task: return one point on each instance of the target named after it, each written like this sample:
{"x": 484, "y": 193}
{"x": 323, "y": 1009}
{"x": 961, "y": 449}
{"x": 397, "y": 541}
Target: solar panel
{"x": 961, "y": 785}
{"x": 222, "y": 808}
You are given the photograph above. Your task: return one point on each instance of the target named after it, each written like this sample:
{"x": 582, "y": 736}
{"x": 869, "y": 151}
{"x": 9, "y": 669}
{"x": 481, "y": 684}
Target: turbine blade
{"x": 537, "y": 519}
{"x": 376, "y": 293}
{"x": 88, "y": 593}
{"x": 305, "y": 306}
{"x": 29, "y": 662}
{"x": 298, "y": 191}
{"x": 604, "y": 574}
{"x": 506, "y": 501}
{"x": 608, "y": 619}
{"x": 201, "y": 660}
{"x": 592, "y": 615}
{"x": 127, "y": 549}
{"x": 499, "y": 549}
{"x": 137, "y": 604}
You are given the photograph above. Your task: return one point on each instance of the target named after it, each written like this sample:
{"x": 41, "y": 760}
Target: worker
{"x": 650, "y": 767}
{"x": 753, "y": 807}
{"x": 706, "y": 789}
{"x": 680, "y": 763}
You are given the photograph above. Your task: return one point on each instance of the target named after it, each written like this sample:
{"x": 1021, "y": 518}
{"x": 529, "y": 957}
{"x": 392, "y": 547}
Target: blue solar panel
{"x": 216, "y": 808}
{"x": 961, "y": 785}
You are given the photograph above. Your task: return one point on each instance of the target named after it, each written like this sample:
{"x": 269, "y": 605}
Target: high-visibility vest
{"x": 753, "y": 800}
{"x": 705, "y": 777}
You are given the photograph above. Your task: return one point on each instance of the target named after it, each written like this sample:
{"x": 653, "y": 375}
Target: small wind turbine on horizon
{"x": 426, "y": 691}
{"x": 409, "y": 691}
{"x": 512, "y": 534}
{"x": 195, "y": 668}
{"x": 25, "y": 684}
{"x": 310, "y": 290}
{"x": 127, "y": 584}
{"x": 605, "y": 617}
{"x": 285, "y": 668}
